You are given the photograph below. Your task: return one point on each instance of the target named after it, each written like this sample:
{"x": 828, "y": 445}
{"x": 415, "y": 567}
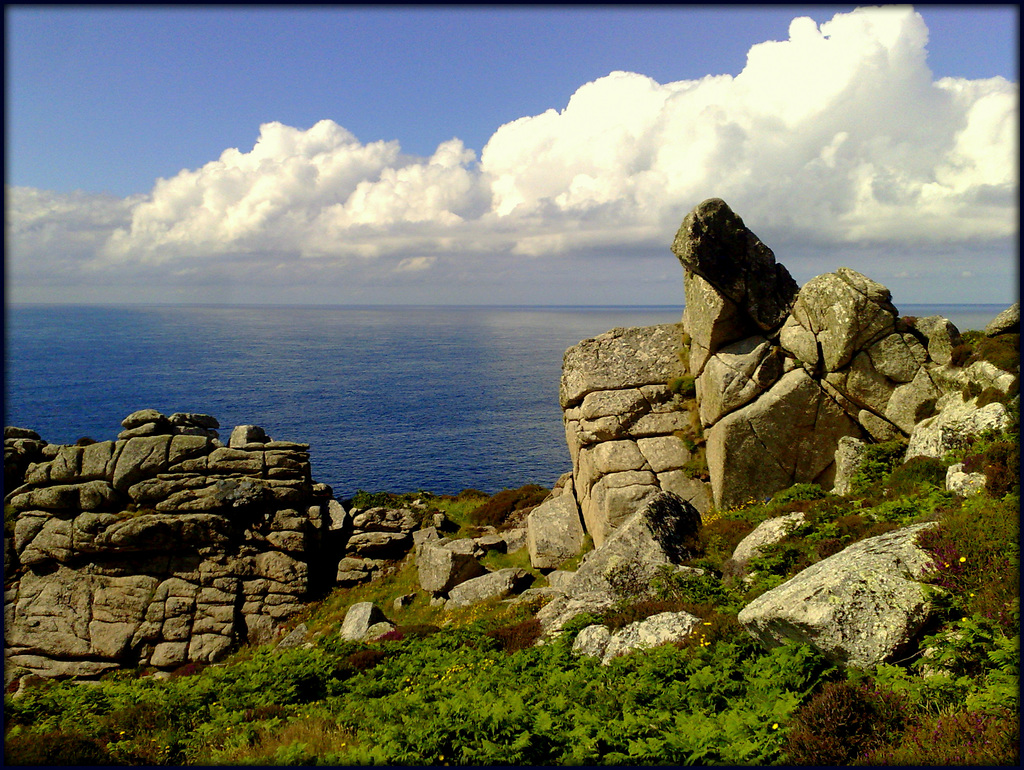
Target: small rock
{"x": 359, "y": 619}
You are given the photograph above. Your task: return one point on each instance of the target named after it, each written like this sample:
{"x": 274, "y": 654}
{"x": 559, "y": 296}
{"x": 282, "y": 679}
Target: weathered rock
{"x": 352, "y": 570}
{"x": 384, "y": 520}
{"x": 765, "y": 534}
{"x": 786, "y": 437}
{"x": 493, "y": 585}
{"x": 514, "y": 538}
{"x": 849, "y": 457}
{"x": 242, "y": 435}
{"x": 226, "y": 556}
{"x": 663, "y": 532}
{"x": 379, "y": 629}
{"x": 143, "y": 417}
{"x": 563, "y": 608}
{"x": 711, "y": 320}
{"x": 714, "y": 243}
{"x": 441, "y": 569}
{"x": 735, "y": 376}
{"x": 956, "y": 421}
{"x": 379, "y": 544}
{"x": 1006, "y": 322}
{"x": 857, "y": 607}
{"x": 554, "y": 532}
{"x": 846, "y": 312}
{"x": 941, "y": 335}
{"x": 653, "y": 631}
{"x": 592, "y": 640}
{"x": 617, "y": 359}
{"x": 295, "y": 638}
{"x": 964, "y": 484}
{"x": 359, "y": 619}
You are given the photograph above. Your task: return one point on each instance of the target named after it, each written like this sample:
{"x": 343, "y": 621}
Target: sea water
{"x": 388, "y": 398}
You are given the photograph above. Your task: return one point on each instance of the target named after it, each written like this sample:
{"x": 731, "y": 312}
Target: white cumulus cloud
{"x": 837, "y": 136}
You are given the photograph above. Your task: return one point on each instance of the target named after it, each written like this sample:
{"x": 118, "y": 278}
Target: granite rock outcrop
{"x": 160, "y": 548}
{"x": 764, "y": 384}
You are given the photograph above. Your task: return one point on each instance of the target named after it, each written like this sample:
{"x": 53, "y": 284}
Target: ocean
{"x": 395, "y": 399}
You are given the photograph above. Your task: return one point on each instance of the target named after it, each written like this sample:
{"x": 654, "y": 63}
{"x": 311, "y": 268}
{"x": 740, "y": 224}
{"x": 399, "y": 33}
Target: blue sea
{"x": 393, "y": 399}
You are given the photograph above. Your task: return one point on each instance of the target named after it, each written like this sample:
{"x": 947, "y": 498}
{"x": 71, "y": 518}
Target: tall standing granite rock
{"x": 784, "y": 377}
{"x": 622, "y": 424}
{"x": 157, "y": 549}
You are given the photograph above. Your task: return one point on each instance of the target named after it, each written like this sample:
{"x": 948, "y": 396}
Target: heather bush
{"x": 956, "y": 739}
{"x": 55, "y": 748}
{"x": 499, "y": 508}
{"x": 842, "y": 722}
{"x": 976, "y": 556}
{"x": 517, "y": 636}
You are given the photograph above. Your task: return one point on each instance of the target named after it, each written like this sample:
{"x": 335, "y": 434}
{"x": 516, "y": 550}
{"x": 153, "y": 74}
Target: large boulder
{"x": 663, "y": 532}
{"x": 765, "y": 534}
{"x": 1006, "y": 322}
{"x": 493, "y": 585}
{"x": 843, "y": 312}
{"x": 359, "y": 619}
{"x": 441, "y": 566}
{"x": 651, "y": 632}
{"x": 857, "y": 607}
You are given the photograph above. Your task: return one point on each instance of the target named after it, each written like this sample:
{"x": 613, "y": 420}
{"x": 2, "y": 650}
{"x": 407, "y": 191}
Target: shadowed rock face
{"x": 714, "y": 244}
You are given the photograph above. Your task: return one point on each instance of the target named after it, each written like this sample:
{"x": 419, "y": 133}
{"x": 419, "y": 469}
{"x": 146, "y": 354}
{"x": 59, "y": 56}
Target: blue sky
{"x": 502, "y": 155}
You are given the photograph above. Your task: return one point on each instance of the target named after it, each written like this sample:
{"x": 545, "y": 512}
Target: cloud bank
{"x": 837, "y": 137}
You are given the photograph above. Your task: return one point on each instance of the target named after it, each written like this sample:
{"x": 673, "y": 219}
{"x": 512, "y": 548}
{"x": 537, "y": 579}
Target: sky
{"x": 532, "y": 155}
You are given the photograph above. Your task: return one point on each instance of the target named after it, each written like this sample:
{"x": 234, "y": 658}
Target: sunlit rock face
{"x": 161, "y": 548}
{"x": 781, "y": 375}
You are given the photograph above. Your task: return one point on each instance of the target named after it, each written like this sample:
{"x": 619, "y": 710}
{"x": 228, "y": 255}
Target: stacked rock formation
{"x": 783, "y": 378}
{"x": 623, "y": 425}
{"x": 160, "y": 548}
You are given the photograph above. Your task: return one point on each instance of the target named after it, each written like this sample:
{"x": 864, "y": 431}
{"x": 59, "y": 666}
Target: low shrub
{"x": 1002, "y": 351}
{"x": 497, "y": 511}
{"x": 799, "y": 492}
{"x": 518, "y": 636}
{"x": 843, "y": 722}
{"x": 718, "y": 538}
{"x": 631, "y": 612}
{"x": 55, "y": 748}
{"x": 958, "y": 739}
{"x": 418, "y": 630}
{"x": 877, "y": 462}
{"x": 1000, "y": 462}
{"x": 685, "y": 386}
{"x": 915, "y": 473}
{"x": 365, "y": 659}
